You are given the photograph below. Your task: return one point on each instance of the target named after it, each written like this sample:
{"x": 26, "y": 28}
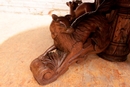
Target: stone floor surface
{"x": 24, "y": 37}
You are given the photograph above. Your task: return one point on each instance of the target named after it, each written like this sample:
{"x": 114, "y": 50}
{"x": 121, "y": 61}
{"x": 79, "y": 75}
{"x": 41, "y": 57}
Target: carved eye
{"x": 62, "y": 24}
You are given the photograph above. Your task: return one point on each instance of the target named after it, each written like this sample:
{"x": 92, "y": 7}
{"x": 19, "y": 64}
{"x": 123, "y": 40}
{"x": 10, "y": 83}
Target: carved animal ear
{"x": 54, "y": 17}
{"x": 68, "y": 17}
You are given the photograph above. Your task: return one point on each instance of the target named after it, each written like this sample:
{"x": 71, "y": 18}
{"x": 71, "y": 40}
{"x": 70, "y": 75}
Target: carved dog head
{"x": 60, "y": 24}
{"x": 60, "y": 32}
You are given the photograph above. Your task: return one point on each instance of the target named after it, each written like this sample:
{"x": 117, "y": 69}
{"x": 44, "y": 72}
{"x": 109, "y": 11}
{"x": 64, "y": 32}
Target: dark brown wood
{"x": 120, "y": 30}
{"x": 102, "y": 28}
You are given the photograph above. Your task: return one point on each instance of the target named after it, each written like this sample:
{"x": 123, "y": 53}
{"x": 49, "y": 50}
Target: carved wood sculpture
{"x": 104, "y": 30}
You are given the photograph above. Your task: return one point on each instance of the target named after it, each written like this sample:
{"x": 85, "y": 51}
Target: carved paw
{"x": 70, "y": 4}
{"x": 73, "y": 4}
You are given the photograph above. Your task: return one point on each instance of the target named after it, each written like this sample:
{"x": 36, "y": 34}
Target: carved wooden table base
{"x": 105, "y": 32}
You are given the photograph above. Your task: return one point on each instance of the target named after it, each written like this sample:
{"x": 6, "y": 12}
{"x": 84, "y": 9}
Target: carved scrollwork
{"x": 45, "y": 67}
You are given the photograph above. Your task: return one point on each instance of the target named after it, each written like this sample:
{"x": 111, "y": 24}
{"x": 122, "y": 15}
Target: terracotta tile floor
{"x": 25, "y": 37}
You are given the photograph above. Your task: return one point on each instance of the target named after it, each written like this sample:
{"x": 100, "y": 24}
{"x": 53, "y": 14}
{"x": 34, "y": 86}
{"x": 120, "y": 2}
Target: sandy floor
{"x": 25, "y": 37}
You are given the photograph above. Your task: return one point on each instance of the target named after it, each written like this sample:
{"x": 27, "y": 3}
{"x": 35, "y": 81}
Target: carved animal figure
{"x": 89, "y": 28}
{"x": 105, "y": 31}
{"x": 89, "y": 36}
{"x": 79, "y": 8}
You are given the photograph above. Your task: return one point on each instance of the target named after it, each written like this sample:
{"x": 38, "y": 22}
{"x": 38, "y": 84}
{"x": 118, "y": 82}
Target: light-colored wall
{"x": 34, "y": 6}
